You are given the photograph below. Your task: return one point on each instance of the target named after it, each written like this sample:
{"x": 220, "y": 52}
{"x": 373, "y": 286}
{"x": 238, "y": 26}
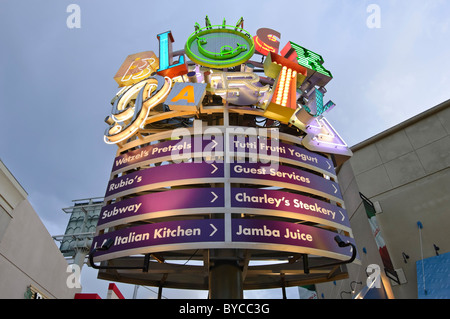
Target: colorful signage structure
{"x": 257, "y": 174}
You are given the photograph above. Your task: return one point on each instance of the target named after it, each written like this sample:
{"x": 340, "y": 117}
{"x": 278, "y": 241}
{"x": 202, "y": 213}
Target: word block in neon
{"x": 289, "y": 76}
{"x": 317, "y": 74}
{"x": 266, "y": 41}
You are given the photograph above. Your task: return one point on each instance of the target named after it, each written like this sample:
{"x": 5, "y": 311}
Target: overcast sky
{"x": 56, "y": 82}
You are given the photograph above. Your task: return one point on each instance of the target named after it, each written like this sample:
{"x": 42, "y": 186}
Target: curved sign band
{"x": 286, "y": 176}
{"x": 191, "y": 173}
{"x": 185, "y": 148}
{"x": 212, "y": 200}
{"x": 164, "y": 175}
{"x": 210, "y": 233}
{"x": 161, "y": 204}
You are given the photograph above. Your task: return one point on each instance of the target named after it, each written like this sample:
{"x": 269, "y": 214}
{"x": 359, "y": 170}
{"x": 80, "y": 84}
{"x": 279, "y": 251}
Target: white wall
{"x": 28, "y": 254}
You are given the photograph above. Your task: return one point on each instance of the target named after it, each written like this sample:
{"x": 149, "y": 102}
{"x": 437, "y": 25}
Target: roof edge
{"x": 13, "y": 179}
{"x": 401, "y": 125}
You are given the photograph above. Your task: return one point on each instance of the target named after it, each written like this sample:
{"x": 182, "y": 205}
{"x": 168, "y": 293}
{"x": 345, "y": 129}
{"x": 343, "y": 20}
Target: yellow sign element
{"x": 136, "y": 67}
{"x": 289, "y": 76}
{"x": 132, "y": 107}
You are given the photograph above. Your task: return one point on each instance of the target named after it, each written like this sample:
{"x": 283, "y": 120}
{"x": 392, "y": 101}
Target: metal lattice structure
{"x": 80, "y": 230}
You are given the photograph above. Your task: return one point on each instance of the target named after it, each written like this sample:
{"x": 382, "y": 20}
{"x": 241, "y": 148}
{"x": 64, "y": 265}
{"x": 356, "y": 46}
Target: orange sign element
{"x": 267, "y": 40}
{"x": 136, "y": 67}
{"x": 289, "y": 76}
{"x": 186, "y": 96}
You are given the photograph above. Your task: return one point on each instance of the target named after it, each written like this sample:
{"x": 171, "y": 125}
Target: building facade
{"x": 396, "y": 188}
{"x": 31, "y": 265}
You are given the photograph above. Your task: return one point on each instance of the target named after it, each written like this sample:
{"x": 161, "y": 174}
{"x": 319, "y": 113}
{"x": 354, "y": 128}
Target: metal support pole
{"x": 135, "y": 291}
{"x": 160, "y": 288}
{"x": 79, "y": 257}
{"x": 283, "y": 286}
{"x": 225, "y": 273}
{"x": 305, "y": 264}
{"x": 225, "y": 280}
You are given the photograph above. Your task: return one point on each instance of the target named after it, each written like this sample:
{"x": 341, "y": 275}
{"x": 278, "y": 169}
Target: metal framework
{"x": 76, "y": 242}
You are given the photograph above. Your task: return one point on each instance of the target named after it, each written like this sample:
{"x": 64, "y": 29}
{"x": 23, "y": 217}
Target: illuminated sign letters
{"x": 297, "y": 87}
{"x": 136, "y": 67}
{"x": 266, "y": 41}
{"x": 240, "y": 88}
{"x": 166, "y": 66}
{"x": 317, "y": 74}
{"x": 186, "y": 96}
{"x": 219, "y": 151}
{"x": 314, "y": 107}
{"x": 289, "y": 76}
{"x": 132, "y": 106}
{"x": 219, "y": 46}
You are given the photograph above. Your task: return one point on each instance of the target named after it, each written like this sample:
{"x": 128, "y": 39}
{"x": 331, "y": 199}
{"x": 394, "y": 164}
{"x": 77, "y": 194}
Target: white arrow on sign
{"x": 215, "y": 144}
{"x": 335, "y": 189}
{"x": 215, "y": 168}
{"x": 214, "y": 230}
{"x": 329, "y": 166}
{"x": 215, "y": 197}
{"x": 343, "y": 216}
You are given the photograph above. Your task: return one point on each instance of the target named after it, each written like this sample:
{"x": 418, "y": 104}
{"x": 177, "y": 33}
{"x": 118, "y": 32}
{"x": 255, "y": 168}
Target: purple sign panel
{"x": 211, "y": 233}
{"x": 283, "y": 233}
{"x": 283, "y": 201}
{"x": 148, "y": 178}
{"x": 179, "y": 148}
{"x": 146, "y": 238}
{"x": 140, "y": 207}
{"x": 263, "y": 146}
{"x": 286, "y": 174}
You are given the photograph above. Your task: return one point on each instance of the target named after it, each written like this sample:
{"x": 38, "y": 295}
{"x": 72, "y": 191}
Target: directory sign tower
{"x": 224, "y": 177}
